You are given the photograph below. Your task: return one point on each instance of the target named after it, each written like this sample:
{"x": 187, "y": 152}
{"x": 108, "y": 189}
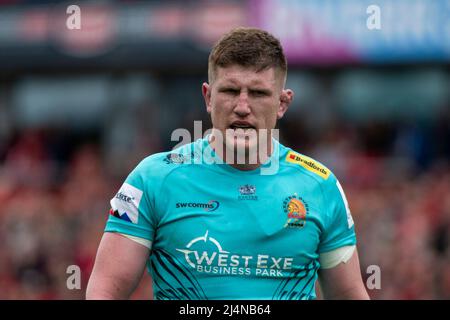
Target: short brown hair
{"x": 247, "y": 47}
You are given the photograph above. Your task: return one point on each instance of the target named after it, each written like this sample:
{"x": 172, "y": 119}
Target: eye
{"x": 259, "y": 93}
{"x": 231, "y": 91}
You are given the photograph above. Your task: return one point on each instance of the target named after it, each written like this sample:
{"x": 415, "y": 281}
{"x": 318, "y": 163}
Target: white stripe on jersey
{"x": 144, "y": 242}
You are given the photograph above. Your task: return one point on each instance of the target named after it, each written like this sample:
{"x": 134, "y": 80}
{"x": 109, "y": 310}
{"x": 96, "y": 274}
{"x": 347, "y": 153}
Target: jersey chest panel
{"x": 253, "y": 226}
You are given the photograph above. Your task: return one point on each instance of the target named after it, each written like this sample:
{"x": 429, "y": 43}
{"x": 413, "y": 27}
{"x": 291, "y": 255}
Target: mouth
{"x": 241, "y": 125}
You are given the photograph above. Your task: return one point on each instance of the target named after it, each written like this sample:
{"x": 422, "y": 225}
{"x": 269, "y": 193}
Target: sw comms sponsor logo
{"x": 205, "y": 254}
{"x": 211, "y": 206}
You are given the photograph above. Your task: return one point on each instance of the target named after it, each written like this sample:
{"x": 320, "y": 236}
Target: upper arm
{"x": 119, "y": 265}
{"x": 120, "y": 260}
{"x": 343, "y": 281}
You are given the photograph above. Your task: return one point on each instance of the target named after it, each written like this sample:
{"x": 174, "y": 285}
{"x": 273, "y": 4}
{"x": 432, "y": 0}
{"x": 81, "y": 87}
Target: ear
{"x": 206, "y": 91}
{"x": 286, "y": 97}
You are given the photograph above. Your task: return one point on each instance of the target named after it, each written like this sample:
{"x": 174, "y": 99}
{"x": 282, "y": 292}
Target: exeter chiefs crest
{"x": 296, "y": 209}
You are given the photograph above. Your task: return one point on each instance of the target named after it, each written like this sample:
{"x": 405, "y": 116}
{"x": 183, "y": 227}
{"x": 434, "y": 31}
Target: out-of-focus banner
{"x": 322, "y": 31}
{"x": 312, "y": 31}
{"x": 114, "y": 35}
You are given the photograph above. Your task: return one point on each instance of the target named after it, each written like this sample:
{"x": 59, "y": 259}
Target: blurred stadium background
{"x": 80, "y": 108}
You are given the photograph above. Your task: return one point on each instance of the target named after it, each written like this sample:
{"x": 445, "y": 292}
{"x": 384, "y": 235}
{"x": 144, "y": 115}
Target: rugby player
{"x": 208, "y": 226}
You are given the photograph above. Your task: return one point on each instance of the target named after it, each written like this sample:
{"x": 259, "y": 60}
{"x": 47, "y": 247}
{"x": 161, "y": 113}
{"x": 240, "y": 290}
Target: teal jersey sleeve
{"x": 339, "y": 229}
{"x": 131, "y": 210}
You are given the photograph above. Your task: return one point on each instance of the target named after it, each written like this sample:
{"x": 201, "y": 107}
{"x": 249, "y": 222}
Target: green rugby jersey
{"x": 221, "y": 233}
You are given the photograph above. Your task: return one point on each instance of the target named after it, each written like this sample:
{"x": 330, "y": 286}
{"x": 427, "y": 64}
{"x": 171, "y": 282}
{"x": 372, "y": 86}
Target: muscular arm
{"x": 118, "y": 267}
{"x": 343, "y": 281}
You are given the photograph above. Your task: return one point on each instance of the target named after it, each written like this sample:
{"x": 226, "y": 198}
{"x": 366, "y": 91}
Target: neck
{"x": 252, "y": 160}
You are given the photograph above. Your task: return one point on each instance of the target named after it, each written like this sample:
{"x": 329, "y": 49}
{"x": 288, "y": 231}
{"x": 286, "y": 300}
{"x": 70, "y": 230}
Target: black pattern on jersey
{"x": 298, "y": 285}
{"x": 173, "y": 279}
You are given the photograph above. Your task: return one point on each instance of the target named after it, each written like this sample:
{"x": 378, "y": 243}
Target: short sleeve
{"x": 131, "y": 212}
{"x": 339, "y": 229}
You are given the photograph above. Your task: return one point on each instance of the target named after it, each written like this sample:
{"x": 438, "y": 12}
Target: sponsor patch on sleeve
{"x": 125, "y": 203}
{"x": 308, "y": 164}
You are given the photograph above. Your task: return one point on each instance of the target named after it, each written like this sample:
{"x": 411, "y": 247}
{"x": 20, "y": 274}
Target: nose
{"x": 242, "y": 107}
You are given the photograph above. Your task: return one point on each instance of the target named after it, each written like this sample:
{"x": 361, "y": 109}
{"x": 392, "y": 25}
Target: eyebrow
{"x": 258, "y": 89}
{"x": 233, "y": 81}
{"x": 237, "y": 87}
{"x": 254, "y": 85}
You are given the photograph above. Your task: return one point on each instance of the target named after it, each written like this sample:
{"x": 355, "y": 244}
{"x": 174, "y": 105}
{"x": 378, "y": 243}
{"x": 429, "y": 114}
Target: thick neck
{"x": 251, "y": 162}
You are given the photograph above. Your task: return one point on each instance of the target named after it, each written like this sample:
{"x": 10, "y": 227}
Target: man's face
{"x": 244, "y": 101}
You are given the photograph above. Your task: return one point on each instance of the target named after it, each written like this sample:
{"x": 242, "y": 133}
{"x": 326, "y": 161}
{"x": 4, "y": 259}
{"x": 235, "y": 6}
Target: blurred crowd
{"x": 55, "y": 191}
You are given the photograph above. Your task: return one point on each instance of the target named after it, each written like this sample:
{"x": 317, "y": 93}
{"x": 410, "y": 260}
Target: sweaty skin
{"x": 241, "y": 97}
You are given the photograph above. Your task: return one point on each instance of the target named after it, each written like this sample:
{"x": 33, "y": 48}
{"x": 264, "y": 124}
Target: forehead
{"x": 243, "y": 76}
